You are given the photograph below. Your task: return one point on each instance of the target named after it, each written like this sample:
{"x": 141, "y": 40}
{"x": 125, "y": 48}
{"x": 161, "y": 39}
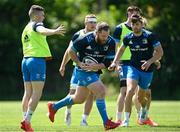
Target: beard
{"x": 137, "y": 31}
{"x": 99, "y": 41}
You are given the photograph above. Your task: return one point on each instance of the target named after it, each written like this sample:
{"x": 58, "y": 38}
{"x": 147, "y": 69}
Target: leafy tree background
{"x": 162, "y": 16}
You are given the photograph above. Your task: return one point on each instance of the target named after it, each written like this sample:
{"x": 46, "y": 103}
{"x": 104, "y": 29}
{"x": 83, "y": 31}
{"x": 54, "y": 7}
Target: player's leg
{"x": 87, "y": 109}
{"x": 143, "y": 102}
{"x": 149, "y": 121}
{"x": 136, "y": 102}
{"x": 27, "y": 95}
{"x": 37, "y": 69}
{"x": 37, "y": 87}
{"x": 27, "y": 87}
{"x": 73, "y": 86}
{"x": 120, "y": 103}
{"x": 98, "y": 89}
{"x": 144, "y": 83}
{"x": 144, "y": 97}
{"x": 79, "y": 97}
{"x": 132, "y": 82}
{"x": 122, "y": 94}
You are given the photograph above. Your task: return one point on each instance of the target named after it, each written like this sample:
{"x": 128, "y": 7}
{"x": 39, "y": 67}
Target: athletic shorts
{"x": 74, "y": 79}
{"x": 33, "y": 69}
{"x": 144, "y": 78}
{"x": 123, "y": 72}
{"x": 86, "y": 78}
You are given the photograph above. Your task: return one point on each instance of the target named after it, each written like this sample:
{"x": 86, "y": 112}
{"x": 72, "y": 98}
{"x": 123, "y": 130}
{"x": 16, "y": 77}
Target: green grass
{"x": 166, "y": 113}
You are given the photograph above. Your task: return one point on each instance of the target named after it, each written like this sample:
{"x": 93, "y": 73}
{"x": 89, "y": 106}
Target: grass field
{"x": 166, "y": 113}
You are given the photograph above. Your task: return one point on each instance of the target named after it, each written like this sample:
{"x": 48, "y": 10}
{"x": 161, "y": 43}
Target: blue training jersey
{"x": 88, "y": 49}
{"x": 141, "y": 47}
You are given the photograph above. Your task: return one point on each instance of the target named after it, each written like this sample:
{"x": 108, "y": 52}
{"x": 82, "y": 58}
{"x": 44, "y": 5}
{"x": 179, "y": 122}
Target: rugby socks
{"x": 100, "y": 103}
{"x": 126, "y": 116}
{"x": 24, "y": 115}
{"x": 119, "y": 115}
{"x": 63, "y": 102}
{"x": 84, "y": 117}
{"x": 68, "y": 110}
{"x": 28, "y": 115}
{"x": 143, "y": 113}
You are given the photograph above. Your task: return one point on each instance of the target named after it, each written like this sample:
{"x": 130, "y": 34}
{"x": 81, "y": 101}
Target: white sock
{"x": 84, "y": 117}
{"x": 119, "y": 115}
{"x": 68, "y": 110}
{"x": 29, "y": 115}
{"x": 126, "y": 116}
{"x": 24, "y": 115}
{"x": 143, "y": 113}
{"x": 138, "y": 114}
{"x": 147, "y": 112}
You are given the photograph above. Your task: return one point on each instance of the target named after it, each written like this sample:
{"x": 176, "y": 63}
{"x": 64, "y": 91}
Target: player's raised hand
{"x": 61, "y": 30}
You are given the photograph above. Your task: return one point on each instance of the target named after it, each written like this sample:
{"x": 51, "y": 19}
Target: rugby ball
{"x": 90, "y": 60}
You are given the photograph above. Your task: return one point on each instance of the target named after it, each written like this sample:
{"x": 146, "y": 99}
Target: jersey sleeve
{"x": 78, "y": 44}
{"x": 75, "y": 36}
{"x": 110, "y": 53}
{"x": 154, "y": 40}
{"x": 117, "y": 33}
{"x": 37, "y": 25}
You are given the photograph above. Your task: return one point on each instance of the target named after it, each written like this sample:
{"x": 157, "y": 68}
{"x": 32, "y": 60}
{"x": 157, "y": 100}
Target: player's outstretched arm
{"x": 47, "y": 32}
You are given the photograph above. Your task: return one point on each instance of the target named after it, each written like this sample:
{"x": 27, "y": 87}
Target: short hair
{"x": 90, "y": 16}
{"x": 133, "y": 8}
{"x": 136, "y": 18}
{"x": 102, "y": 26}
{"x": 34, "y": 9}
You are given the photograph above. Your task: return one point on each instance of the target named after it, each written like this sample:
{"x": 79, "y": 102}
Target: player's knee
{"x": 130, "y": 92}
{"x": 141, "y": 99}
{"x": 27, "y": 95}
{"x": 148, "y": 94}
{"x": 78, "y": 100}
{"x": 100, "y": 94}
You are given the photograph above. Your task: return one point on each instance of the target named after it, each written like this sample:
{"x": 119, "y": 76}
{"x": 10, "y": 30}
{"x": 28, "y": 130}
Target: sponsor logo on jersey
{"x": 88, "y": 47}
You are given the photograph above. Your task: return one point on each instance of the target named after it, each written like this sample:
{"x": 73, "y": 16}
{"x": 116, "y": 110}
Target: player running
{"x": 145, "y": 50}
{"x": 90, "y": 25}
{"x": 91, "y": 53}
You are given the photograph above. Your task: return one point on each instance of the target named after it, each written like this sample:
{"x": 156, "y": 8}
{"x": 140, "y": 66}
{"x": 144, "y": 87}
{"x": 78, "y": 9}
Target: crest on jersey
{"x": 144, "y": 41}
{"x": 106, "y": 48}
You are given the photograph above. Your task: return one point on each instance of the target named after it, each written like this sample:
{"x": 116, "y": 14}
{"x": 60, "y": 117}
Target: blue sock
{"x": 63, "y": 102}
{"x": 100, "y": 103}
